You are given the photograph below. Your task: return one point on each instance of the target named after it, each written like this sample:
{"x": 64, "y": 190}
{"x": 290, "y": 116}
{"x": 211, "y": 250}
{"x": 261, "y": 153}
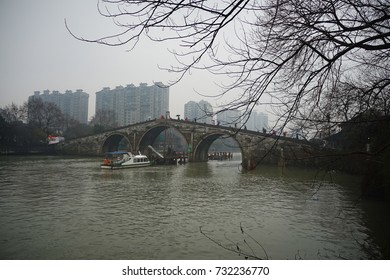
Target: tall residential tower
{"x": 258, "y": 121}
{"x": 71, "y": 104}
{"x": 133, "y": 104}
{"x": 200, "y": 112}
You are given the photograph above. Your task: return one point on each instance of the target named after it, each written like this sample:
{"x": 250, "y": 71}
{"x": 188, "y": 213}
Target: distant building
{"x": 229, "y": 118}
{"x": 199, "y": 112}
{"x": 133, "y": 104}
{"x": 257, "y": 121}
{"x": 72, "y": 104}
{"x": 190, "y": 110}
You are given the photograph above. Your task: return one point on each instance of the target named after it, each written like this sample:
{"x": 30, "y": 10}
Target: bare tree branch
{"x": 299, "y": 53}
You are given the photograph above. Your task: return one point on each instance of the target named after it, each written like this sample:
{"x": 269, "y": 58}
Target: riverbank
{"x": 32, "y": 150}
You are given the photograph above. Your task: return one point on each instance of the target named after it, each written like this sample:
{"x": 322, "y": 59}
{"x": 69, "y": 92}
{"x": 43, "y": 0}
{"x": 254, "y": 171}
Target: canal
{"x": 68, "y": 208}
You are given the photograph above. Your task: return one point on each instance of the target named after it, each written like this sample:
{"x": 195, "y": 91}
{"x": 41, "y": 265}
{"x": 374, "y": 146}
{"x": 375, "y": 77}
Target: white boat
{"x": 121, "y": 160}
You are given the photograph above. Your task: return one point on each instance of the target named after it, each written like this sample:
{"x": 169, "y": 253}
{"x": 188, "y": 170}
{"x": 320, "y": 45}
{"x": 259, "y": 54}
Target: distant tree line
{"x": 27, "y": 127}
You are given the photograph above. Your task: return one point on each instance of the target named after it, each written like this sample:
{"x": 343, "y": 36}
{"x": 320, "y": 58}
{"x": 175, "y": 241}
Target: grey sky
{"x": 38, "y": 53}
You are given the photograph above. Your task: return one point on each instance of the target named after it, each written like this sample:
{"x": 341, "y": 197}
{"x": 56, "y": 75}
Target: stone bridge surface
{"x": 255, "y": 147}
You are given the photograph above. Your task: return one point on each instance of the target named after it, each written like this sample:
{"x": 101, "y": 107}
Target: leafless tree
{"x": 14, "y": 113}
{"x": 104, "y": 118}
{"x": 45, "y": 115}
{"x": 367, "y": 93}
{"x": 290, "y": 50}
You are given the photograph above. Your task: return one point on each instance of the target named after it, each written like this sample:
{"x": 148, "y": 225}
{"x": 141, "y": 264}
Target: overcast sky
{"x": 38, "y": 53}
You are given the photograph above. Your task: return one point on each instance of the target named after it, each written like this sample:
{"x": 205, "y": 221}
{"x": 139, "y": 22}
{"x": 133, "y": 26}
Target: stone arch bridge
{"x": 255, "y": 147}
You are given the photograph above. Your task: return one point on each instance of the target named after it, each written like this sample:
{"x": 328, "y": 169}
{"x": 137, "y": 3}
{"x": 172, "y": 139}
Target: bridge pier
{"x": 248, "y": 164}
{"x": 262, "y": 151}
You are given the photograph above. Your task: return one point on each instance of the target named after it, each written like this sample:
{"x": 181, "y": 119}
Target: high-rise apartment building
{"x": 257, "y": 121}
{"x": 71, "y": 104}
{"x": 133, "y": 104}
{"x": 200, "y": 112}
{"x": 190, "y": 109}
{"x": 229, "y": 118}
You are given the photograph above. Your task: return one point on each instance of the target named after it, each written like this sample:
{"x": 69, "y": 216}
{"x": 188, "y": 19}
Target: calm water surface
{"x": 67, "y": 208}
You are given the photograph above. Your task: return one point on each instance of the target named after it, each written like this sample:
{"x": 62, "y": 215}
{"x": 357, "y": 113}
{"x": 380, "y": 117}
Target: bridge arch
{"x": 150, "y": 136}
{"x": 201, "y": 151}
{"x": 116, "y": 141}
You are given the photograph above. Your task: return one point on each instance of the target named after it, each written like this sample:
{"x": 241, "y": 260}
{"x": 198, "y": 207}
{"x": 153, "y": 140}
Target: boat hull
{"x": 125, "y": 166}
{"x": 123, "y": 160}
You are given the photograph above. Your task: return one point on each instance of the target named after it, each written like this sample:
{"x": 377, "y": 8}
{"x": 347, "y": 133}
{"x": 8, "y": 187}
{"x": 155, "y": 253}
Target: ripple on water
{"x": 67, "y": 208}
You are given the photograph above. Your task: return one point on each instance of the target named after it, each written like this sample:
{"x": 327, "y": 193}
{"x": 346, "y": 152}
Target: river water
{"x": 68, "y": 208}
